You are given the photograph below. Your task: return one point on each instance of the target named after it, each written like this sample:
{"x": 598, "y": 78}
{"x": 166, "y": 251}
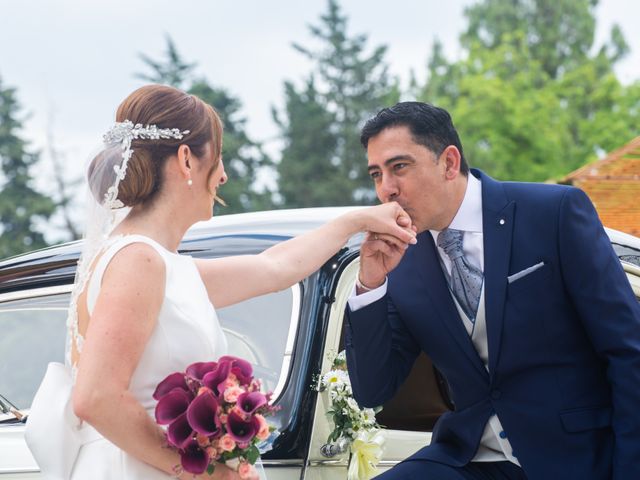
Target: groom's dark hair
{"x": 429, "y": 125}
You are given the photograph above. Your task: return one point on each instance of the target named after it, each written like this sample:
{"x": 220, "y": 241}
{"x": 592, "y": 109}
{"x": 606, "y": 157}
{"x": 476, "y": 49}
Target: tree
{"x": 559, "y": 33}
{"x": 65, "y": 188}
{"x": 530, "y": 100}
{"x": 306, "y": 177}
{"x": 243, "y": 157}
{"x": 346, "y": 87}
{"x": 173, "y": 70}
{"x": 21, "y": 206}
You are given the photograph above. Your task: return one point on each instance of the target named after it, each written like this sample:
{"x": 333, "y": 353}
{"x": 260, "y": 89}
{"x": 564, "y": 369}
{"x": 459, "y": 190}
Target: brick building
{"x": 613, "y": 185}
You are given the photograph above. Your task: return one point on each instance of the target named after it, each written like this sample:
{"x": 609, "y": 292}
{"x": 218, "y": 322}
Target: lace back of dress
{"x": 74, "y": 339}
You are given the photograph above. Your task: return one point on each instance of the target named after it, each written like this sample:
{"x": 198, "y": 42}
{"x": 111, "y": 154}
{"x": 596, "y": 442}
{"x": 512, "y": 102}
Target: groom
{"x": 516, "y": 295}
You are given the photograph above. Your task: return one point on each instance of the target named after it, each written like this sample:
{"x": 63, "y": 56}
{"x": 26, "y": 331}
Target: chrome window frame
{"x": 287, "y": 360}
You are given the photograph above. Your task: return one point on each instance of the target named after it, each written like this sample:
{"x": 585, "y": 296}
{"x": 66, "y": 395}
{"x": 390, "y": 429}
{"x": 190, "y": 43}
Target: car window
{"x": 261, "y": 330}
{"x": 627, "y": 254}
{"x": 32, "y": 334}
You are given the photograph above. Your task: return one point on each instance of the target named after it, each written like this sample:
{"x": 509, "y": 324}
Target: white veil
{"x": 104, "y": 210}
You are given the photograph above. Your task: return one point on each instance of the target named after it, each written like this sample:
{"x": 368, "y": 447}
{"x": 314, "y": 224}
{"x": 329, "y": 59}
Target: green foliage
{"x": 322, "y": 161}
{"x": 243, "y": 157}
{"x": 307, "y": 177}
{"x": 559, "y": 33}
{"x": 252, "y": 454}
{"x": 21, "y": 206}
{"x": 529, "y": 99}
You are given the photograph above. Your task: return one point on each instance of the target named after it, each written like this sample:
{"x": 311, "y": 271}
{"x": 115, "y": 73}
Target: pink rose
{"x": 231, "y": 381}
{"x": 231, "y": 394}
{"x": 263, "y": 429}
{"x": 256, "y": 385}
{"x": 227, "y": 443}
{"x": 202, "y": 440}
{"x": 212, "y": 453}
{"x": 246, "y": 470}
{"x": 202, "y": 390}
{"x": 223, "y": 417}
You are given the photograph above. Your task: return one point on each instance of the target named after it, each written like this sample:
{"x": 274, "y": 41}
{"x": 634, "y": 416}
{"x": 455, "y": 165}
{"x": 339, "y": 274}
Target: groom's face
{"x": 410, "y": 174}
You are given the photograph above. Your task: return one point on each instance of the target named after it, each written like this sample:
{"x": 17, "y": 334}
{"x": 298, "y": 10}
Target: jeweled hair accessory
{"x": 124, "y": 133}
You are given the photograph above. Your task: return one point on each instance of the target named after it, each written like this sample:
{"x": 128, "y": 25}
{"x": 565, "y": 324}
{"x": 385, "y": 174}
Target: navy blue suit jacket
{"x": 564, "y": 341}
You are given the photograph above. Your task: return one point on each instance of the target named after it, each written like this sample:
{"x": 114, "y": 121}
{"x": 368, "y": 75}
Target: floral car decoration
{"x": 354, "y": 427}
{"x": 215, "y": 412}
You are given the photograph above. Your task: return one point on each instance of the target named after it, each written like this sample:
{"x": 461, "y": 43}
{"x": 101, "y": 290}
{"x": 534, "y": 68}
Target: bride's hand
{"x": 221, "y": 472}
{"x": 389, "y": 222}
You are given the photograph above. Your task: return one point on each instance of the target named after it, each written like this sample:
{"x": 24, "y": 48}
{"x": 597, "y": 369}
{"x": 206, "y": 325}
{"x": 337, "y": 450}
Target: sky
{"x": 73, "y": 61}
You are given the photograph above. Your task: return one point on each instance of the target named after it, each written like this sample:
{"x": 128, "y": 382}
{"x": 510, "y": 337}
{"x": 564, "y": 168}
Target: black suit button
{"x": 496, "y": 394}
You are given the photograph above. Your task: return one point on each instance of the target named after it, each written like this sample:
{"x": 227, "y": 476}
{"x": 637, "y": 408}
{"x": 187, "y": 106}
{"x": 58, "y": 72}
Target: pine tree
{"x": 173, "y": 70}
{"x": 21, "y": 206}
{"x": 243, "y": 157}
{"x": 346, "y": 87}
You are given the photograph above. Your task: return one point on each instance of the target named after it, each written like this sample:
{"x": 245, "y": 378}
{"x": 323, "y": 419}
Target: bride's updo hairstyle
{"x": 164, "y": 107}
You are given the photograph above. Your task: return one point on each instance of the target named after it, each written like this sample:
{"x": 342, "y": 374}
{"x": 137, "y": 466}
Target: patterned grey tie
{"x": 465, "y": 279}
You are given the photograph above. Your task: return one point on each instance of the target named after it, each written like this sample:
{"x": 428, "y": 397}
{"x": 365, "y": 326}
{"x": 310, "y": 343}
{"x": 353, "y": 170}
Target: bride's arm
{"x": 123, "y": 319}
{"x": 233, "y": 279}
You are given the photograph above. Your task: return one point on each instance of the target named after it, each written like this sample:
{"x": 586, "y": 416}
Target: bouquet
{"x": 215, "y": 412}
{"x": 355, "y": 428}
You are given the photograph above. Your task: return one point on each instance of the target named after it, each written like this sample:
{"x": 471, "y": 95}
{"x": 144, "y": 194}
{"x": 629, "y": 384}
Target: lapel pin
{"x": 501, "y": 222}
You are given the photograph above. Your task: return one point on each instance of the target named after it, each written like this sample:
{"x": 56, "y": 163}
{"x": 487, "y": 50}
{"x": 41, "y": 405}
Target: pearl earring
{"x": 189, "y": 182}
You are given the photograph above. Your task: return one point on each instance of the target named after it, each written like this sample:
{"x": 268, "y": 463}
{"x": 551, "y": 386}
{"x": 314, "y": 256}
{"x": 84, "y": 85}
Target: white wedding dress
{"x": 187, "y": 331}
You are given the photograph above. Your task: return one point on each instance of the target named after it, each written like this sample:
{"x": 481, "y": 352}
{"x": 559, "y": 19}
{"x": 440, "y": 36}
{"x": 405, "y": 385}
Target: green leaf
{"x": 252, "y": 454}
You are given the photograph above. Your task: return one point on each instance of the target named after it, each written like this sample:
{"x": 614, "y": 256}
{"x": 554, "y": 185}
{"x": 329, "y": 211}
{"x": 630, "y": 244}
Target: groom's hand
{"x": 380, "y": 254}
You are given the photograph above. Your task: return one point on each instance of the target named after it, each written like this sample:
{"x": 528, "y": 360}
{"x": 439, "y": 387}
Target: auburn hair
{"x": 164, "y": 107}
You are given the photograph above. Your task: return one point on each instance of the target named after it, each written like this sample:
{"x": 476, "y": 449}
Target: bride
{"x": 139, "y": 310}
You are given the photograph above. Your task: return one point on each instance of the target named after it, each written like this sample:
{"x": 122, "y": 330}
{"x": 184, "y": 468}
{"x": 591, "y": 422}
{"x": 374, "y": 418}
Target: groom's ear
{"x": 451, "y": 157}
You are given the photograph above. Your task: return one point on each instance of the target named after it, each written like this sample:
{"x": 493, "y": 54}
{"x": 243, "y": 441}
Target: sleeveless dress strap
{"x": 95, "y": 282}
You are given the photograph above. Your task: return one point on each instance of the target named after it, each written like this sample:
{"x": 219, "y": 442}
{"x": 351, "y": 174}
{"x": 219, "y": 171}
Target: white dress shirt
{"x": 494, "y": 444}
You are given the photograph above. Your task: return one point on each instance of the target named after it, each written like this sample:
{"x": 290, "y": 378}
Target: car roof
{"x": 255, "y": 231}
{"x": 222, "y": 235}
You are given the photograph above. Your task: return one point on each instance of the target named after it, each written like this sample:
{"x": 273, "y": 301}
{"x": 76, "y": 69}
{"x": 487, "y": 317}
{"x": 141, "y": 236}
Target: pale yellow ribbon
{"x": 366, "y": 452}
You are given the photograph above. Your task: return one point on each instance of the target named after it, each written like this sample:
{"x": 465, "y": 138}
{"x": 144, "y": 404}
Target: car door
{"x": 32, "y": 334}
{"x": 409, "y": 416}
{"x": 400, "y": 440}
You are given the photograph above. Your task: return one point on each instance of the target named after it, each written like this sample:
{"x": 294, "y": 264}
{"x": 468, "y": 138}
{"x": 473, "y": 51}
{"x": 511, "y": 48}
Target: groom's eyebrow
{"x": 391, "y": 160}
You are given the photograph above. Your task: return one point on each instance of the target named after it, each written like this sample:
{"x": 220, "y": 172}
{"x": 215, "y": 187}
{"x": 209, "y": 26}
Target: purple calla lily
{"x": 200, "y": 369}
{"x": 171, "y": 382}
{"x": 241, "y": 430}
{"x": 240, "y": 368}
{"x": 179, "y": 432}
{"x": 217, "y": 377}
{"x": 194, "y": 459}
{"x": 249, "y": 402}
{"x": 203, "y": 416}
{"x": 171, "y": 406}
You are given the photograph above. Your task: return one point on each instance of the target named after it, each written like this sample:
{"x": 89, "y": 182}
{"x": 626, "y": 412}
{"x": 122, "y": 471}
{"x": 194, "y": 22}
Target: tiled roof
{"x": 613, "y": 185}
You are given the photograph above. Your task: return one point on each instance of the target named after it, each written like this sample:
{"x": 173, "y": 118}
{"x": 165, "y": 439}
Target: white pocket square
{"x": 524, "y": 273}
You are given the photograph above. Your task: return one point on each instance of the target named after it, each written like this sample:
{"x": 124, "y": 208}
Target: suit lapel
{"x": 497, "y": 224}
{"x": 438, "y": 291}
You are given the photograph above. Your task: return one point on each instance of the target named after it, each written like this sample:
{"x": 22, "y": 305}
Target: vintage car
{"x": 288, "y": 336}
